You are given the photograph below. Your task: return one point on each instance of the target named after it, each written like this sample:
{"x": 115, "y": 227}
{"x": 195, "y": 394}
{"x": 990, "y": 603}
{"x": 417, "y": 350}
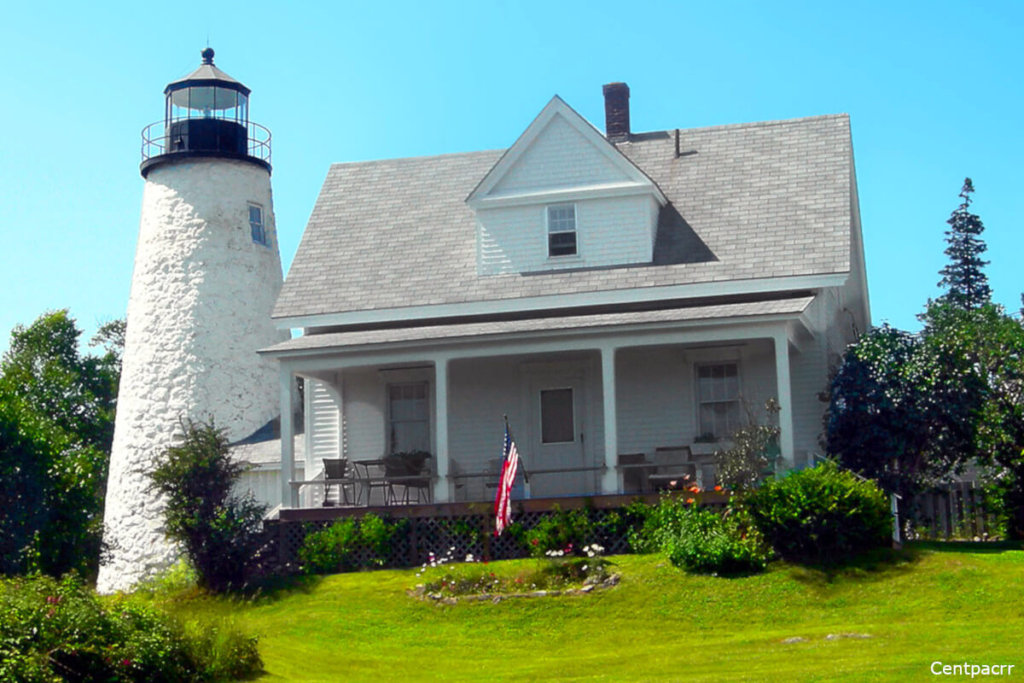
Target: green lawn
{"x": 948, "y": 603}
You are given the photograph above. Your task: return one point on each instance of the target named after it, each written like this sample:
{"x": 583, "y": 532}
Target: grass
{"x": 933, "y": 602}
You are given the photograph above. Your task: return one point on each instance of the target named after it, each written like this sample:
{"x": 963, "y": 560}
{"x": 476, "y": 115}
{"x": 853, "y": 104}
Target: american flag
{"x": 503, "y": 502}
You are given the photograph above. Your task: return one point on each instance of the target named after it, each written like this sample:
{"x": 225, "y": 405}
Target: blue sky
{"x": 933, "y": 90}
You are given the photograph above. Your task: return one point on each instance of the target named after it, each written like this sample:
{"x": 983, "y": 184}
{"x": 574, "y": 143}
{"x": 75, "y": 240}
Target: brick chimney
{"x": 616, "y": 112}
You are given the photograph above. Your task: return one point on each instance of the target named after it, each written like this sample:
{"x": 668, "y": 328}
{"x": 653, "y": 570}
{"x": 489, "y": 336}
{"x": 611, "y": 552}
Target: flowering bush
{"x": 59, "y": 630}
{"x": 657, "y": 523}
{"x": 754, "y": 451}
{"x": 561, "y": 530}
{"x": 701, "y": 540}
{"x": 710, "y": 542}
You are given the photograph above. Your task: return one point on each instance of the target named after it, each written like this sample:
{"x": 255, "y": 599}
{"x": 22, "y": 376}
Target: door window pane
{"x": 557, "y": 422}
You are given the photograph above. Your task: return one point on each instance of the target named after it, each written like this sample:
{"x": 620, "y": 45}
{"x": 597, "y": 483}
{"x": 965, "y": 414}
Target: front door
{"x": 559, "y": 424}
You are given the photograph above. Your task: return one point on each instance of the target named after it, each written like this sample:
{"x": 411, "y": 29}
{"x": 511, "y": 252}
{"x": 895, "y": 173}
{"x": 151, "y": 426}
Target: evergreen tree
{"x": 965, "y": 282}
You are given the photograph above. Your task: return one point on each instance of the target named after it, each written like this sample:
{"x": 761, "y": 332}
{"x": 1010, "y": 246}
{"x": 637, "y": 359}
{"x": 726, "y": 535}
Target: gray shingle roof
{"x": 352, "y": 340}
{"x": 757, "y": 200}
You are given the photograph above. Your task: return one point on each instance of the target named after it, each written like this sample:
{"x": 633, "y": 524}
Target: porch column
{"x": 610, "y": 481}
{"x": 442, "y": 487}
{"x": 783, "y": 383}
{"x": 289, "y": 495}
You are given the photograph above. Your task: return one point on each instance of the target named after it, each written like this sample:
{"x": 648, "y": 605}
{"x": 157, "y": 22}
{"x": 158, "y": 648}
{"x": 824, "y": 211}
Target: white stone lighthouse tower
{"x": 207, "y": 273}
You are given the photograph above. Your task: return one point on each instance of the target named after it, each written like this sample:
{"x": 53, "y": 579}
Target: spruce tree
{"x": 965, "y": 282}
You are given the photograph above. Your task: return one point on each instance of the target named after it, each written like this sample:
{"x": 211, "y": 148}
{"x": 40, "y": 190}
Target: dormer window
{"x": 562, "y": 230}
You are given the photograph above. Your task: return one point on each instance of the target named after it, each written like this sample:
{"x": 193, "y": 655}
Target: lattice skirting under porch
{"x": 468, "y": 531}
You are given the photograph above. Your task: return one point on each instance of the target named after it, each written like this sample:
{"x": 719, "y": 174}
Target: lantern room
{"x": 205, "y": 114}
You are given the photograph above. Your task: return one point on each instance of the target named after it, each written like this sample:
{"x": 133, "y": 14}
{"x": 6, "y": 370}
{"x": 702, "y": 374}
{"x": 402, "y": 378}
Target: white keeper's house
{"x": 610, "y": 293}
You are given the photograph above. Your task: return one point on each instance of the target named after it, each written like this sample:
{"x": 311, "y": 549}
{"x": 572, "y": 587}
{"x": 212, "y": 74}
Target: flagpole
{"x": 522, "y": 461}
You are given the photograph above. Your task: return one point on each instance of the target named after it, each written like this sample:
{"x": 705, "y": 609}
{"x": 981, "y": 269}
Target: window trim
{"x": 698, "y": 401}
{"x": 574, "y": 232}
{"x": 258, "y": 231}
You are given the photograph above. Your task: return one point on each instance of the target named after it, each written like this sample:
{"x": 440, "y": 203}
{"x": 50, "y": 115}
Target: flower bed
{"x": 560, "y": 572}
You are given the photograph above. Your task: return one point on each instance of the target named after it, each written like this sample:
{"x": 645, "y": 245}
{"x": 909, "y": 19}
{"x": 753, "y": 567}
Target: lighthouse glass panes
{"x": 562, "y": 230}
{"x": 207, "y": 102}
{"x": 259, "y": 231}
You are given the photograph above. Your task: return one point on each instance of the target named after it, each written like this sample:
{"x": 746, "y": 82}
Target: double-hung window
{"x": 562, "y": 230}
{"x": 259, "y": 231}
{"x": 718, "y": 399}
{"x": 408, "y": 417}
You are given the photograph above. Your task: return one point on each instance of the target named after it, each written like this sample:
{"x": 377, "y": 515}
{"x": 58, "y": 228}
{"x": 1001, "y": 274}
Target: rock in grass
{"x": 858, "y": 636}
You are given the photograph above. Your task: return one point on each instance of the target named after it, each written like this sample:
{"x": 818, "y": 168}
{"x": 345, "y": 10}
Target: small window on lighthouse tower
{"x": 259, "y": 232}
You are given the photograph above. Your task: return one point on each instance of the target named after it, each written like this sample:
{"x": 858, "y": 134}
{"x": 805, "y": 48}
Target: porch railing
{"x": 311, "y": 492}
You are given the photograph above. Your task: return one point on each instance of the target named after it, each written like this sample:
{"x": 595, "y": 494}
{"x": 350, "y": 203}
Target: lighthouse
{"x": 207, "y": 273}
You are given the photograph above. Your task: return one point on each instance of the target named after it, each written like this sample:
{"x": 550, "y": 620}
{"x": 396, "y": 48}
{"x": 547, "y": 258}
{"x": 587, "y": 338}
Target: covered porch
{"x": 599, "y": 405}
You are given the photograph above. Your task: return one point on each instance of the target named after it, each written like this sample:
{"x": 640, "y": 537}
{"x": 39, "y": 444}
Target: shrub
{"x": 347, "y": 545}
{"x": 701, "y": 540}
{"x": 565, "y": 530}
{"x": 59, "y": 630}
{"x": 823, "y": 514}
{"x": 221, "y": 532}
{"x": 710, "y": 542}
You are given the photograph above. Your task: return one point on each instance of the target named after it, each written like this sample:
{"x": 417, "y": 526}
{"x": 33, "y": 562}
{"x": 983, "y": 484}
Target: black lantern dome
{"x": 206, "y": 115}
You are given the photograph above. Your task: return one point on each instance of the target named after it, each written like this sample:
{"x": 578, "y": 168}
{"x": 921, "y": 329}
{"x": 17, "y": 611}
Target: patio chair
{"x": 403, "y": 482}
{"x": 335, "y": 470}
{"x": 370, "y": 476}
{"x": 636, "y": 472}
{"x": 675, "y": 468}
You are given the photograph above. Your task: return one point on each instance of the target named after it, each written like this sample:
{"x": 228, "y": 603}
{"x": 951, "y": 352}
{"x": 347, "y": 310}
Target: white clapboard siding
{"x": 323, "y": 428}
{"x": 264, "y": 483}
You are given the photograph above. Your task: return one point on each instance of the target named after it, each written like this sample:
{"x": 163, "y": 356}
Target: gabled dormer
{"x": 564, "y": 197}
